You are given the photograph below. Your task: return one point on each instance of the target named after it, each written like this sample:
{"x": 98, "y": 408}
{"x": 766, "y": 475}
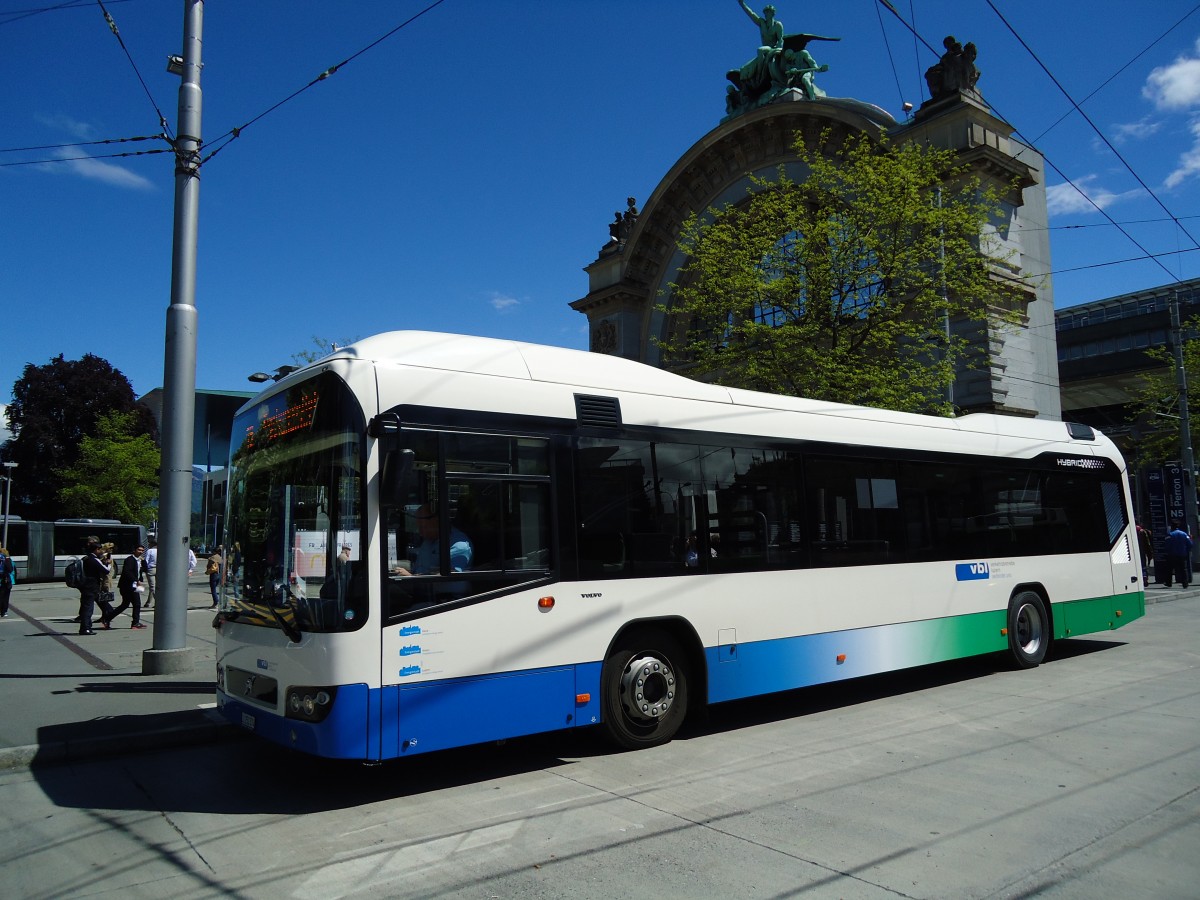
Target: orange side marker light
{"x": 546, "y": 603}
{"x": 1003, "y": 632}
{"x": 841, "y": 658}
{"x": 583, "y": 699}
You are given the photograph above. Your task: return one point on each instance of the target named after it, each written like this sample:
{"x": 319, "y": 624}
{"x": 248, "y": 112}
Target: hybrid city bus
{"x": 41, "y": 550}
{"x": 448, "y": 540}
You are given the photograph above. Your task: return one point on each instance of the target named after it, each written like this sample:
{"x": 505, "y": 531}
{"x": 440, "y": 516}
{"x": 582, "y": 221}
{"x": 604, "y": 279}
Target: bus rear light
{"x": 310, "y": 704}
{"x": 546, "y": 603}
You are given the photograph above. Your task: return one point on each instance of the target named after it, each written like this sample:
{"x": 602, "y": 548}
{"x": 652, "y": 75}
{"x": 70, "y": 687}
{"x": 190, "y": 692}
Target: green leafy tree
{"x": 844, "y": 287}
{"x": 116, "y": 473}
{"x": 54, "y": 407}
{"x": 1156, "y": 403}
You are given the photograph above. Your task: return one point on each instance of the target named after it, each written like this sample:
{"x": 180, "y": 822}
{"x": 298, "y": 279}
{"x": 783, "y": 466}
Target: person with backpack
{"x": 8, "y": 577}
{"x": 95, "y": 571}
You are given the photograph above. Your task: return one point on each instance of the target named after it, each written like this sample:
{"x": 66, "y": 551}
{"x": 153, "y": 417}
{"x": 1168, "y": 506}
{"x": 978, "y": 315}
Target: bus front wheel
{"x": 644, "y": 690}
{"x": 1028, "y": 629}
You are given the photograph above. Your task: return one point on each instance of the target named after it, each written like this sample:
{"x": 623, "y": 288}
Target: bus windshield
{"x": 294, "y": 541}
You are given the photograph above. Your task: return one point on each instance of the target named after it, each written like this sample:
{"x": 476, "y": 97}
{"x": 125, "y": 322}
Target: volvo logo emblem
{"x": 249, "y": 687}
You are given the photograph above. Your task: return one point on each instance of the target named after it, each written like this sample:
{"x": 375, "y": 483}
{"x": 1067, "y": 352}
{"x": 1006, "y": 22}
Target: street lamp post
{"x": 8, "y": 477}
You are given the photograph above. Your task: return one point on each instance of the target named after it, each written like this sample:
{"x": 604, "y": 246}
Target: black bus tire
{"x": 1028, "y": 629}
{"x": 644, "y": 690}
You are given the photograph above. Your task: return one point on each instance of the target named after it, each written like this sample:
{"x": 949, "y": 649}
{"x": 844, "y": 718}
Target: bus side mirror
{"x": 397, "y": 466}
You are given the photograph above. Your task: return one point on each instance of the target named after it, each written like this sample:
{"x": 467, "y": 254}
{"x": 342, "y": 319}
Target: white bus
{"x": 592, "y": 541}
{"x": 41, "y": 550}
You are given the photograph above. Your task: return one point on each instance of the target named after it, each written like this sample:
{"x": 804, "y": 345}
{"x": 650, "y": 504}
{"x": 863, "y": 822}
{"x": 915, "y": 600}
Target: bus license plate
{"x": 248, "y": 721}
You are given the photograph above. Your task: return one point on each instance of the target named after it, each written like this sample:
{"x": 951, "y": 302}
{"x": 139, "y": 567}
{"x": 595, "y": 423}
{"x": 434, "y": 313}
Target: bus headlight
{"x": 309, "y": 704}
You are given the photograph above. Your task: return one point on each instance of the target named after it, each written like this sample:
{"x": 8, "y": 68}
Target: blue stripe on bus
{"x": 782, "y": 664}
{"x": 436, "y": 715}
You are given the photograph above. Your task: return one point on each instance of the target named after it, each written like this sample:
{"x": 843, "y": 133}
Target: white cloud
{"x": 80, "y": 131}
{"x": 98, "y": 170}
{"x": 1177, "y": 86}
{"x": 1189, "y": 162}
{"x": 1136, "y": 131}
{"x": 503, "y": 303}
{"x": 1073, "y": 198}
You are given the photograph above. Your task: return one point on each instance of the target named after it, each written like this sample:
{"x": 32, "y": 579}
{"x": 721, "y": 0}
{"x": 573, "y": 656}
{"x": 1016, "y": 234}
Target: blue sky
{"x": 459, "y": 175}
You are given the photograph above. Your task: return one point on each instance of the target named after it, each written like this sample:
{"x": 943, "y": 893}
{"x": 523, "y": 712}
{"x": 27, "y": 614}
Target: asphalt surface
{"x": 68, "y": 698}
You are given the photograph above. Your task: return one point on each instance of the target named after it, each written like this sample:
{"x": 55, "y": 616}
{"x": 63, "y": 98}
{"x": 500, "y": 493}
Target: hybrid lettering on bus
{"x": 448, "y": 540}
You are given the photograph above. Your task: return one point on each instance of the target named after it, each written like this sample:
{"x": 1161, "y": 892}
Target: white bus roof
{"x": 633, "y": 381}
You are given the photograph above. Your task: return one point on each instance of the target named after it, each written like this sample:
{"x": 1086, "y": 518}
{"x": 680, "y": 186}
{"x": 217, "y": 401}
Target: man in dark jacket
{"x": 95, "y": 570}
{"x": 130, "y": 586}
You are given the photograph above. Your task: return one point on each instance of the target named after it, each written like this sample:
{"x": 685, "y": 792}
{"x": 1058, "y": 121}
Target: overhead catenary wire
{"x": 63, "y": 159}
{"x": 225, "y": 139}
{"x": 888, "y": 46}
{"x": 1117, "y": 153}
{"x": 1113, "y": 76}
{"x": 1050, "y": 162}
{"x": 112, "y": 26}
{"x": 16, "y": 15}
{"x": 144, "y": 137}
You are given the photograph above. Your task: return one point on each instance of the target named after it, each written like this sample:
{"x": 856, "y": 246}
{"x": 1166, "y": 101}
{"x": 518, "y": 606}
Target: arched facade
{"x": 630, "y": 279}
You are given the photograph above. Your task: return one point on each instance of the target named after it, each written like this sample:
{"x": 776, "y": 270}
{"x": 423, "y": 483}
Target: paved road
{"x": 1077, "y": 779}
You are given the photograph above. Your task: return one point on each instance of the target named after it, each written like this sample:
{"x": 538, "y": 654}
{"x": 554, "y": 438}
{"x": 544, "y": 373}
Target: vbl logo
{"x": 976, "y": 571}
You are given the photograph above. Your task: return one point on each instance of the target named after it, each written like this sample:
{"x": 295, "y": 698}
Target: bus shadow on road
{"x": 820, "y": 698}
{"x": 244, "y": 775}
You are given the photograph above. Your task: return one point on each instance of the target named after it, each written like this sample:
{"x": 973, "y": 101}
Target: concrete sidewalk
{"x": 68, "y": 698}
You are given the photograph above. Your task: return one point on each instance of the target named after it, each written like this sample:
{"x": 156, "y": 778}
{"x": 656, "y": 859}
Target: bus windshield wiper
{"x": 293, "y": 602}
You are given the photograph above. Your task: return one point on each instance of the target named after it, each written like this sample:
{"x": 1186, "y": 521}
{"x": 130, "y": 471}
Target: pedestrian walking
{"x": 95, "y": 570}
{"x": 151, "y": 569}
{"x": 8, "y": 577}
{"x": 130, "y": 587}
{"x": 1178, "y": 546}
{"x": 107, "y": 595}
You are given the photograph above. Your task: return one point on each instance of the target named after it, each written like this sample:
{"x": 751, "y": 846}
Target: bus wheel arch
{"x": 1030, "y": 627}
{"x": 649, "y": 681}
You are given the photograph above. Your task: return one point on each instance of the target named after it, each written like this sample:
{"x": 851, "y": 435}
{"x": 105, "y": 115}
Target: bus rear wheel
{"x": 644, "y": 690}
{"x": 1028, "y": 629}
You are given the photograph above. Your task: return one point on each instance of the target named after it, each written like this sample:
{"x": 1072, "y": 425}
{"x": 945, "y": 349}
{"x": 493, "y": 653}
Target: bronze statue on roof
{"x": 782, "y": 63}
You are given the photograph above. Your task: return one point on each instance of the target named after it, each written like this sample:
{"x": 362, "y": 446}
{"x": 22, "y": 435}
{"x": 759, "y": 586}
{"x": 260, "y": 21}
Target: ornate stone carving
{"x": 621, "y": 226}
{"x": 604, "y": 337}
{"x": 954, "y": 73}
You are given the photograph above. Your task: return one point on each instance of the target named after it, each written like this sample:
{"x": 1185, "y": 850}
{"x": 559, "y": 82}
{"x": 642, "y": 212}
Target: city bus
{"x": 449, "y": 540}
{"x": 41, "y": 550}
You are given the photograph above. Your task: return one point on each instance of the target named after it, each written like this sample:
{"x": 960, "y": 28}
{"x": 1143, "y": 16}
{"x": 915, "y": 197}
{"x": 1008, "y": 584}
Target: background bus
{"x": 613, "y": 545}
{"x": 41, "y": 550}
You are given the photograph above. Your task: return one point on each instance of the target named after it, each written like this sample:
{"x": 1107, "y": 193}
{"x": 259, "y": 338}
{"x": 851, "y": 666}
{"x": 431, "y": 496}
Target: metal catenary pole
{"x": 169, "y": 653}
{"x": 1185, "y": 426}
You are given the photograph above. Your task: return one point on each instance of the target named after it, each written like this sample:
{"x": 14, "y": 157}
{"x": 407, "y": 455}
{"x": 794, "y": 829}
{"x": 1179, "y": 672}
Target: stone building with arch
{"x": 629, "y": 298}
